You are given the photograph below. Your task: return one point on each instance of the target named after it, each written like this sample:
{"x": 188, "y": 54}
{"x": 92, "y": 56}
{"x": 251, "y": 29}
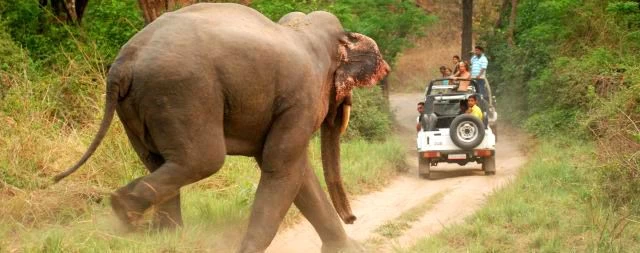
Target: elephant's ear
{"x": 360, "y": 64}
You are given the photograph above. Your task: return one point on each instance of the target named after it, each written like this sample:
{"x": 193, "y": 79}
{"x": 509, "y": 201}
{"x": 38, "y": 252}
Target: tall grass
{"x": 35, "y": 219}
{"x": 551, "y": 207}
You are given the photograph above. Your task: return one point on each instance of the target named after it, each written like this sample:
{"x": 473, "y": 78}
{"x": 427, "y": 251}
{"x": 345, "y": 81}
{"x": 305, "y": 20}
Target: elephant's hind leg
{"x": 167, "y": 215}
{"x": 186, "y": 160}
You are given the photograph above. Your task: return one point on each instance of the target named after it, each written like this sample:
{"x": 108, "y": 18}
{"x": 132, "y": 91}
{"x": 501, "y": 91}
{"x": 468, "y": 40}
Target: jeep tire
{"x": 466, "y": 131}
{"x": 424, "y": 167}
{"x": 489, "y": 165}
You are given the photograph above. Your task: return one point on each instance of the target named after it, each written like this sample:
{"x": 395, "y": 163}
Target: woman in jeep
{"x": 463, "y": 74}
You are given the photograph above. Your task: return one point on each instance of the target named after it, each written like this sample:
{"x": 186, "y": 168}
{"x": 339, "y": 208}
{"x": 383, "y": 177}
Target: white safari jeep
{"x": 449, "y": 135}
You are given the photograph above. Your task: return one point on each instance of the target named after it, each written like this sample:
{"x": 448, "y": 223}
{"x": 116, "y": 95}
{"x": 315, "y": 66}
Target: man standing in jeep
{"x": 479, "y": 64}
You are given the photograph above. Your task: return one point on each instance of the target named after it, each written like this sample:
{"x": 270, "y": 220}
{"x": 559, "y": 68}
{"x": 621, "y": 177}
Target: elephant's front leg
{"x": 282, "y": 164}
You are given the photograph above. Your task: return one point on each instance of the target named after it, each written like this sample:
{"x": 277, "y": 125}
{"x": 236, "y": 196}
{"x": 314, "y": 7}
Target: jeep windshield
{"x": 445, "y": 97}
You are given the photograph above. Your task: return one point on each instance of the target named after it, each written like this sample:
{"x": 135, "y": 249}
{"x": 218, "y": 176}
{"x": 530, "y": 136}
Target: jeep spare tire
{"x": 466, "y": 131}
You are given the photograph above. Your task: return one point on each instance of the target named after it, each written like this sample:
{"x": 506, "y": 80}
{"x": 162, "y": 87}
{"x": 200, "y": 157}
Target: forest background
{"x": 568, "y": 73}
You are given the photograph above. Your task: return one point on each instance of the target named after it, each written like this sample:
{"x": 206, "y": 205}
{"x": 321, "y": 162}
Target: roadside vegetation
{"x": 52, "y": 78}
{"x": 554, "y": 205}
{"x": 571, "y": 78}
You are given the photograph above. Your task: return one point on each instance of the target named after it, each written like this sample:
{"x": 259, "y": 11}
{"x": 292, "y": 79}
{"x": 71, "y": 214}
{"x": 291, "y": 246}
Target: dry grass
{"x": 55, "y": 205}
{"x": 618, "y": 138}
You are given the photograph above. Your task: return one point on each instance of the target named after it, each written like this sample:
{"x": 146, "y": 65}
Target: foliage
{"x": 54, "y": 45}
{"x": 550, "y": 207}
{"x": 574, "y": 71}
{"x": 107, "y": 25}
{"x": 369, "y": 119}
{"x": 390, "y": 23}
{"x": 627, "y": 12}
{"x": 11, "y": 57}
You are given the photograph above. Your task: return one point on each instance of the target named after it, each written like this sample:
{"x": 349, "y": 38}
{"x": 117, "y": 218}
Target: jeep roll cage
{"x": 445, "y": 101}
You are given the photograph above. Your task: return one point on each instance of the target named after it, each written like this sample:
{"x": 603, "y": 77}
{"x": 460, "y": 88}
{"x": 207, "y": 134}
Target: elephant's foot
{"x": 128, "y": 208}
{"x": 166, "y": 221}
{"x": 348, "y": 246}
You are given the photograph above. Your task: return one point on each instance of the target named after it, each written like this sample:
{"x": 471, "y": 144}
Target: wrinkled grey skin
{"x": 211, "y": 80}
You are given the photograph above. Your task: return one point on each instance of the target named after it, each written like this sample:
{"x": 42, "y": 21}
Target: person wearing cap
{"x": 479, "y": 64}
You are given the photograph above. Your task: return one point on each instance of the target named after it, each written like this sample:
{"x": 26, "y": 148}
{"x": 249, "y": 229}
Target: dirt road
{"x": 461, "y": 191}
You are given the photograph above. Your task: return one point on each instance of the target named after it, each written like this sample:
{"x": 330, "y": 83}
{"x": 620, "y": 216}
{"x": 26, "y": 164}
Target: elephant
{"x": 217, "y": 79}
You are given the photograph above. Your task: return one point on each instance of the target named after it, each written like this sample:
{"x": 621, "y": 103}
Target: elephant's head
{"x": 360, "y": 65}
{"x": 356, "y": 62}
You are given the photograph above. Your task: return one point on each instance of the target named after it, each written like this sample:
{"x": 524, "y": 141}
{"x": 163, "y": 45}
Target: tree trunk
{"x": 152, "y": 9}
{"x": 512, "y": 22}
{"x": 503, "y": 8}
{"x": 66, "y": 10}
{"x": 467, "y": 28}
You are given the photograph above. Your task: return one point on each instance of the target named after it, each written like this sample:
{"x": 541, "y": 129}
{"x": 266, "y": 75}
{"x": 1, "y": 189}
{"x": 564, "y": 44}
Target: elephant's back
{"x": 208, "y": 32}
{"x": 214, "y": 16}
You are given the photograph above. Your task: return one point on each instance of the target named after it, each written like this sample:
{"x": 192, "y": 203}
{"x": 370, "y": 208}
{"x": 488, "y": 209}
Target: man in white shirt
{"x": 479, "y": 64}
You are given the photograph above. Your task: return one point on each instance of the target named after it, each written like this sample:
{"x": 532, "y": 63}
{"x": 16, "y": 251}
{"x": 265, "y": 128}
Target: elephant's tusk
{"x": 346, "y": 113}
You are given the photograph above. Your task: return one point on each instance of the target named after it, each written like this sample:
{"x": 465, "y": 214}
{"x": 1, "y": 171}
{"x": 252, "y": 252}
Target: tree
{"x": 152, "y": 9}
{"x": 512, "y": 22}
{"x": 73, "y": 10}
{"x": 467, "y": 28}
{"x": 503, "y": 8}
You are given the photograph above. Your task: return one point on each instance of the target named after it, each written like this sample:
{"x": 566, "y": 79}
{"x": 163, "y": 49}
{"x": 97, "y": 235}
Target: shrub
{"x": 370, "y": 118}
{"x": 573, "y": 71}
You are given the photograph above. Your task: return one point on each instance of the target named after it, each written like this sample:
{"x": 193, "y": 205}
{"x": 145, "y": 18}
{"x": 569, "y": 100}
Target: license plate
{"x": 457, "y": 156}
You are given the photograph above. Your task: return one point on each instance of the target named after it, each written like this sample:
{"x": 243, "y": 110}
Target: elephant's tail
{"x": 114, "y": 88}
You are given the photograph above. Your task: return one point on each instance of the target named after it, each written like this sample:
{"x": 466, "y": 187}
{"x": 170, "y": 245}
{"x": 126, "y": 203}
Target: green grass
{"x": 553, "y": 206}
{"x": 396, "y": 227}
{"x": 74, "y": 215}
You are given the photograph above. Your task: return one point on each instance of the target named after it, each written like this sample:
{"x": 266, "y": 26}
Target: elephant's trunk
{"x": 330, "y": 132}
